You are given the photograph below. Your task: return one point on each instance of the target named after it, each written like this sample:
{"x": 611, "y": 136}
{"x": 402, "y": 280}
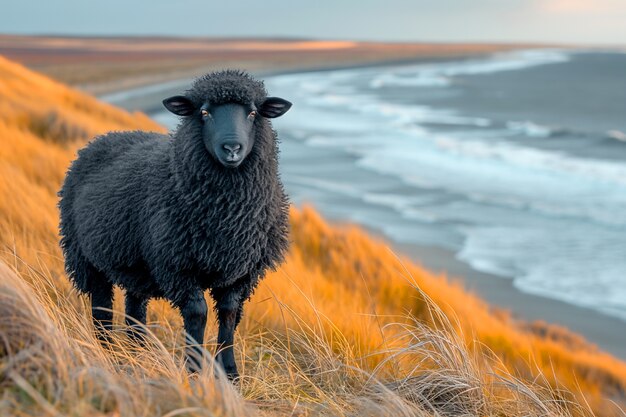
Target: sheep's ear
{"x": 274, "y": 107}
{"x": 179, "y": 105}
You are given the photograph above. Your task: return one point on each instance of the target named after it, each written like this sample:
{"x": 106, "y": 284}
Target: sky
{"x": 547, "y": 21}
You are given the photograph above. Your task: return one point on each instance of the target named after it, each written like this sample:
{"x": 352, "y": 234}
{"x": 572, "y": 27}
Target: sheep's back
{"x": 108, "y": 185}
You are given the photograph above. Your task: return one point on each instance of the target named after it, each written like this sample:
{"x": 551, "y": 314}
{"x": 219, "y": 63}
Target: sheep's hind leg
{"x": 101, "y": 308}
{"x": 136, "y": 308}
{"x": 229, "y": 305}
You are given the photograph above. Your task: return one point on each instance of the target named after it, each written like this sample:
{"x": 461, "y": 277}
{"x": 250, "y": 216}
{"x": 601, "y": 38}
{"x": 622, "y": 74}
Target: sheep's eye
{"x": 252, "y": 115}
{"x": 204, "y": 112}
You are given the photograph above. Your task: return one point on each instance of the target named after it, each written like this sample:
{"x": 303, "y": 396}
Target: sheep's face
{"x": 228, "y": 130}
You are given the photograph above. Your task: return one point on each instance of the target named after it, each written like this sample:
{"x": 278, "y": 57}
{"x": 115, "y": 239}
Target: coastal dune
{"x": 345, "y": 326}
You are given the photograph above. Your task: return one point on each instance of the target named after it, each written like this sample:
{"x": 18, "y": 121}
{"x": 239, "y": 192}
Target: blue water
{"x": 517, "y": 162}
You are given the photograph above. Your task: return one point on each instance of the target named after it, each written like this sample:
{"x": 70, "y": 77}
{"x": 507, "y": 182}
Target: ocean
{"x": 516, "y": 162}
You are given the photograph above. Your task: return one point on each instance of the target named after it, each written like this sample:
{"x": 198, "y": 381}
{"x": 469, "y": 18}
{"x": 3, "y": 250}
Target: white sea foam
{"x": 617, "y": 135}
{"x": 532, "y": 130}
{"x": 442, "y": 74}
{"x": 390, "y": 138}
{"x": 420, "y": 80}
{"x": 555, "y": 222}
{"x": 546, "y": 182}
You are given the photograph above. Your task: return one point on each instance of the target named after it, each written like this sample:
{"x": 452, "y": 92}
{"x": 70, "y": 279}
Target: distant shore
{"x": 104, "y": 65}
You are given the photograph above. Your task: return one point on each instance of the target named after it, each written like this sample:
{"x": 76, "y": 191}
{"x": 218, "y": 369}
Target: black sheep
{"x": 173, "y": 215}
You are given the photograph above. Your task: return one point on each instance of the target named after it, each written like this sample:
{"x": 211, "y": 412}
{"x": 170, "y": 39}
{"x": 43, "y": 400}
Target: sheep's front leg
{"x": 194, "y": 311}
{"x": 136, "y": 309}
{"x": 229, "y": 306}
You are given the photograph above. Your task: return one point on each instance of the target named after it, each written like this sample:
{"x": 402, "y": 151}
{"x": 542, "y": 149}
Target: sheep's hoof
{"x": 231, "y": 372}
{"x": 228, "y": 365}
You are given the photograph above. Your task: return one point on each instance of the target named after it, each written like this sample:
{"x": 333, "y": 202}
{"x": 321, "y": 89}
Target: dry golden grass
{"x": 343, "y": 328}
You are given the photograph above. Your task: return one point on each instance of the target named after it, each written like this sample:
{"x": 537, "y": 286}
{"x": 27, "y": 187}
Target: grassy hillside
{"x": 343, "y": 328}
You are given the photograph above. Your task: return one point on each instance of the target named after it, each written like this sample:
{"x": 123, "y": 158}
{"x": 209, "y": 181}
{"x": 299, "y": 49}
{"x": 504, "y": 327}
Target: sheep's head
{"x": 227, "y": 105}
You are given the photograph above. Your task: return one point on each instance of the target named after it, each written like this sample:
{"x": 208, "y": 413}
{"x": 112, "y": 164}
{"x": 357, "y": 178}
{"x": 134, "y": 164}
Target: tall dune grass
{"x": 345, "y": 327}
{"x": 52, "y": 364}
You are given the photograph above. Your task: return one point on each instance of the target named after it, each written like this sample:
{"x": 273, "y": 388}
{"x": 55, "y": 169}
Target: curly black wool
{"x": 157, "y": 216}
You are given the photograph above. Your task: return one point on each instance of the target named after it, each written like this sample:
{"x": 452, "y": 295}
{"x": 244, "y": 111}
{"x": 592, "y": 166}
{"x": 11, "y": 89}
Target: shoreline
{"x": 599, "y": 329}
{"x": 123, "y": 86}
{"x": 604, "y": 331}
{"x": 147, "y": 97}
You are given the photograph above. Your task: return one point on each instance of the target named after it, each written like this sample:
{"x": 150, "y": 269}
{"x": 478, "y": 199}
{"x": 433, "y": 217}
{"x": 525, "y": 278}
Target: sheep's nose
{"x": 232, "y": 148}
